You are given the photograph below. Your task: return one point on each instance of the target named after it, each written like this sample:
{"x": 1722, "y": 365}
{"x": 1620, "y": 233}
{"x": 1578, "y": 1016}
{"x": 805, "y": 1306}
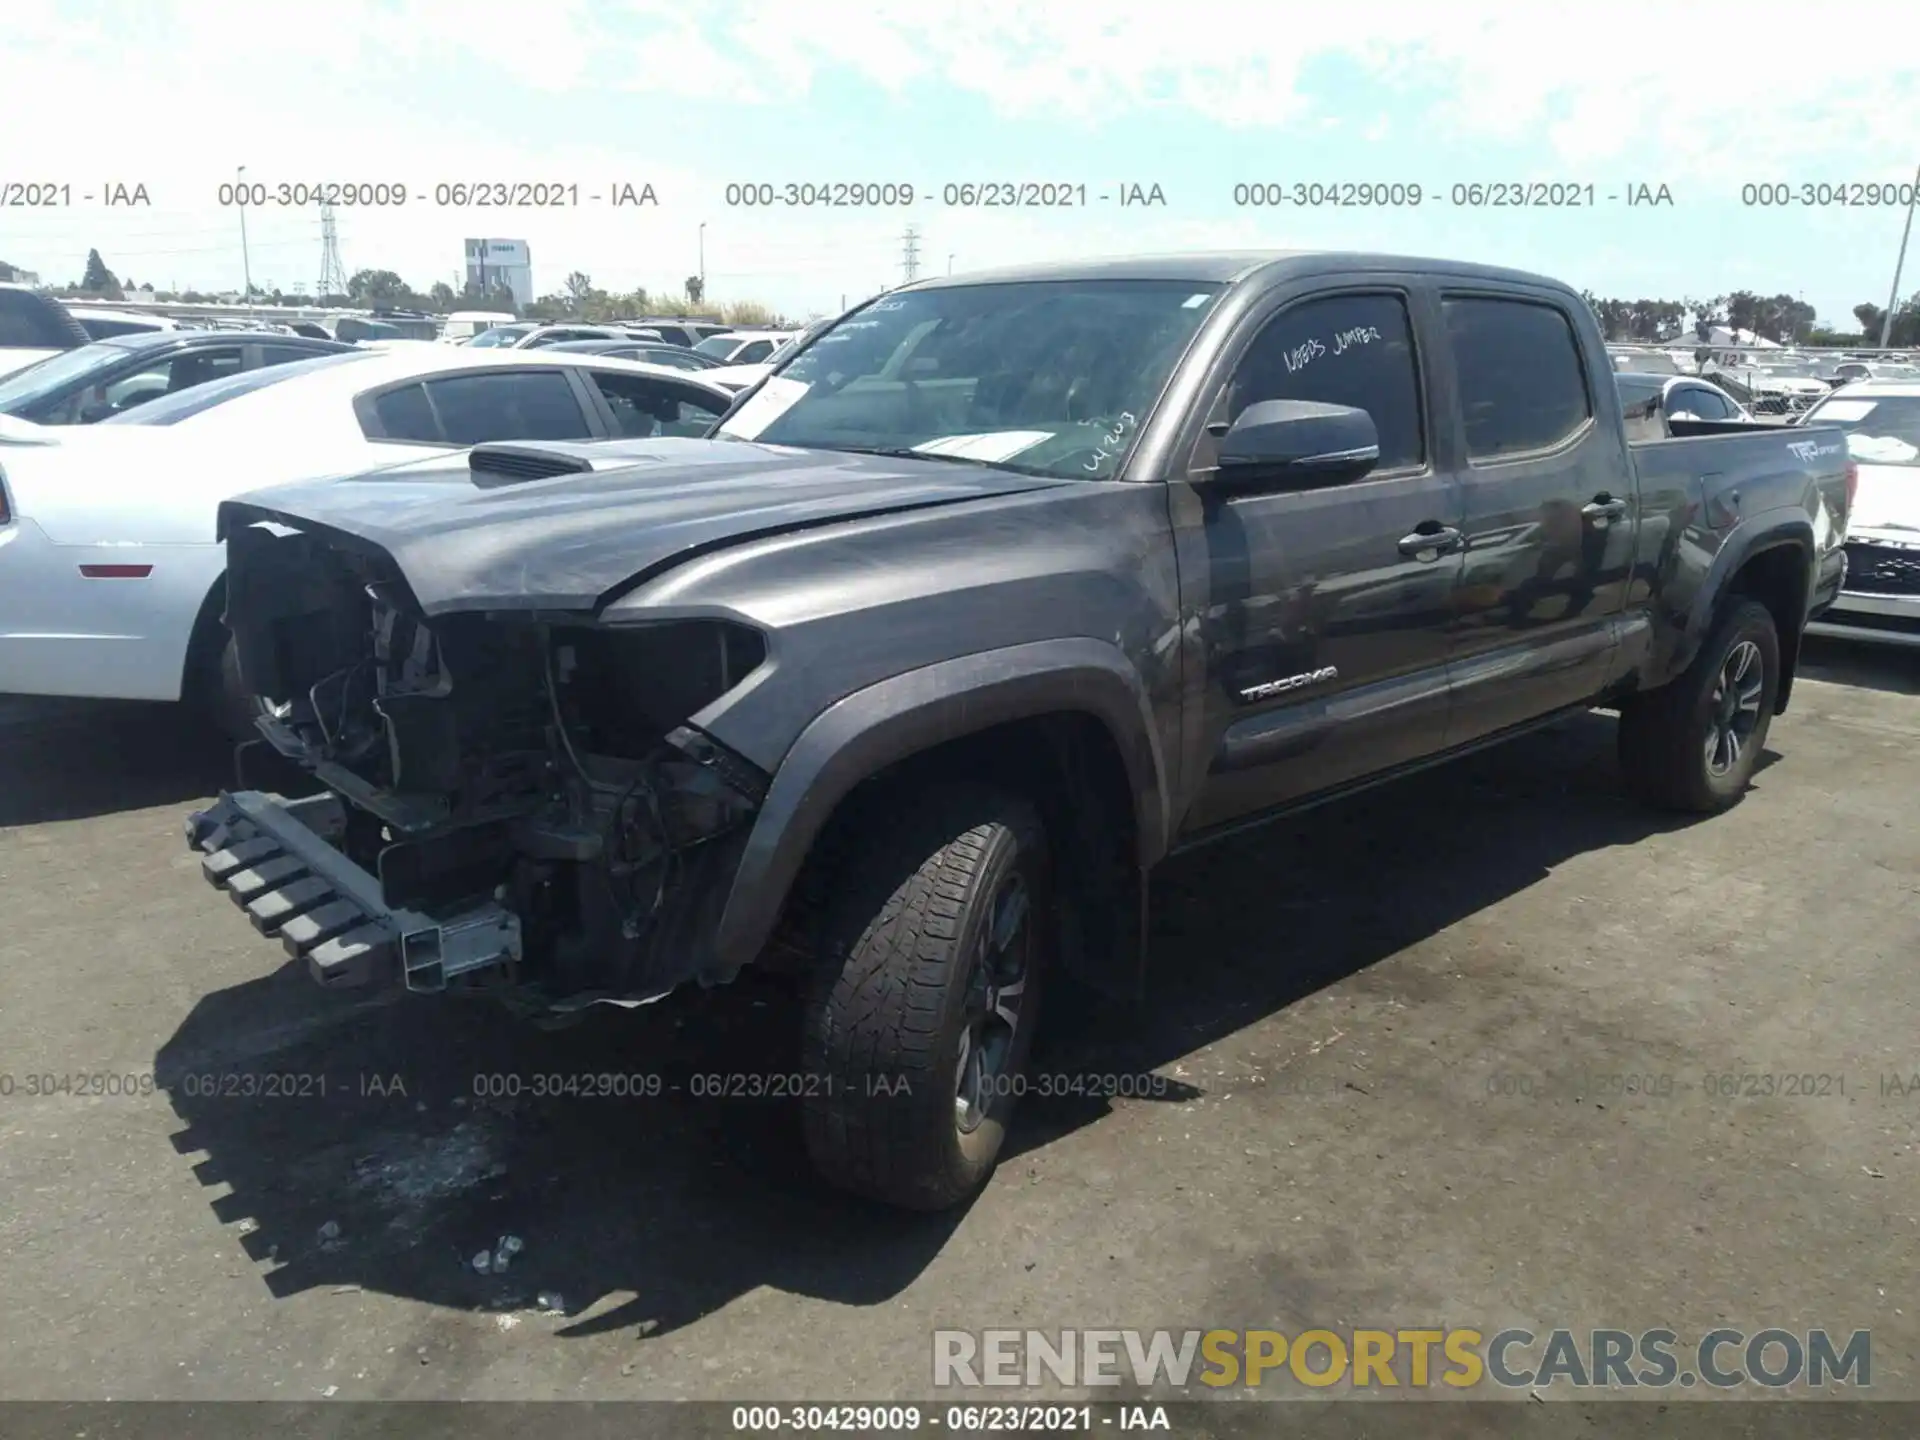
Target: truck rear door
{"x": 1322, "y": 614}
{"x": 1549, "y": 510}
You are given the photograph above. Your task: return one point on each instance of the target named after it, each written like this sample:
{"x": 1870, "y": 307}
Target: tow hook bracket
{"x": 274, "y": 860}
{"x": 420, "y": 961}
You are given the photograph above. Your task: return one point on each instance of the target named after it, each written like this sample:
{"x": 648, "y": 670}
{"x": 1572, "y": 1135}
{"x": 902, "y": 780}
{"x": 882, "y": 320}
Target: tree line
{"x": 1780, "y": 318}
{"x": 578, "y": 299}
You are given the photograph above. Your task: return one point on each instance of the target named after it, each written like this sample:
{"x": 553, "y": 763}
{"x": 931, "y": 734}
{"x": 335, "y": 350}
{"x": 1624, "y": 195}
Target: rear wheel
{"x": 921, "y": 1017}
{"x": 1692, "y": 744}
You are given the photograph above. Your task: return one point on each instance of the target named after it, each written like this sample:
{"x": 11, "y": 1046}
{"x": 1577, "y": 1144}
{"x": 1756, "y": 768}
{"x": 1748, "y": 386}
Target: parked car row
{"x": 110, "y": 572}
{"x": 1879, "y": 601}
{"x": 113, "y": 376}
{"x": 1767, "y": 382}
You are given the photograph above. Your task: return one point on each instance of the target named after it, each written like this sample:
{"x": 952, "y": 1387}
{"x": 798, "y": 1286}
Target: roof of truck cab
{"x": 1224, "y": 267}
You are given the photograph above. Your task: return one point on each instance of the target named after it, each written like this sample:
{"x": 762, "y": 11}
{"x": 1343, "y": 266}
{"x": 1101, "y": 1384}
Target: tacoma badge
{"x": 1291, "y": 682}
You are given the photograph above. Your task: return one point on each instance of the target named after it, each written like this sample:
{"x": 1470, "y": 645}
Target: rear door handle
{"x": 1604, "y": 507}
{"x": 1430, "y": 544}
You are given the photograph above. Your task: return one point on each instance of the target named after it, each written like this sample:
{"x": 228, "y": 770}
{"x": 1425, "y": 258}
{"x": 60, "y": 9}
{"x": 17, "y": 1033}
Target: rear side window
{"x": 1522, "y": 384}
{"x": 404, "y": 414}
{"x": 477, "y": 409}
{"x": 1700, "y": 402}
{"x": 754, "y": 352}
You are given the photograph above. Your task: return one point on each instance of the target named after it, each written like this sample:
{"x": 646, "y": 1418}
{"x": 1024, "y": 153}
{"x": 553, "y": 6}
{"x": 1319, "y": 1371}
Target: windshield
{"x": 500, "y": 335}
{"x": 1880, "y": 431}
{"x": 1644, "y": 362}
{"x": 720, "y": 346}
{"x": 55, "y": 373}
{"x": 171, "y": 409}
{"x": 1047, "y": 377}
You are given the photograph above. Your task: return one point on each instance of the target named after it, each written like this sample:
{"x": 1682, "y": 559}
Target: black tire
{"x": 901, "y": 986}
{"x": 1664, "y": 734}
{"x": 224, "y": 698}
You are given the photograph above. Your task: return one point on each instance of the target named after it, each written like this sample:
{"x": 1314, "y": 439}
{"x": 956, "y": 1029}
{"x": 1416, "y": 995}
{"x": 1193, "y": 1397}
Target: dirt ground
{"x": 1373, "y": 1023}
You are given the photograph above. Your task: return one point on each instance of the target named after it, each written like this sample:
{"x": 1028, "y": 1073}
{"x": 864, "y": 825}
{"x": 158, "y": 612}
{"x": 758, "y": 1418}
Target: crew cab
{"x": 1001, "y": 590}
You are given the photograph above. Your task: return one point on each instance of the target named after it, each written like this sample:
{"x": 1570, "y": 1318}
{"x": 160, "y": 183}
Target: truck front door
{"x": 1320, "y": 613}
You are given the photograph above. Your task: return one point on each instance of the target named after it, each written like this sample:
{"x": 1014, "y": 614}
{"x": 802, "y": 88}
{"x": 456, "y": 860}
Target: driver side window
{"x": 1342, "y": 350}
{"x": 168, "y": 377}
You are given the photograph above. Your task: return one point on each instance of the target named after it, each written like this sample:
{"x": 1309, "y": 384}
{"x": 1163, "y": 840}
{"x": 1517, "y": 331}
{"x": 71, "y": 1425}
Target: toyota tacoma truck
{"x": 995, "y": 594}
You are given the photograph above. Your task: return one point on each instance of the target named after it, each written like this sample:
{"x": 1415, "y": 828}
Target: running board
{"x": 276, "y": 860}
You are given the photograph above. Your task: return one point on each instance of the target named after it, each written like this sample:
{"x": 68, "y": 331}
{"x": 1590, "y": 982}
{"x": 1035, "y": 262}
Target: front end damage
{"x": 516, "y": 803}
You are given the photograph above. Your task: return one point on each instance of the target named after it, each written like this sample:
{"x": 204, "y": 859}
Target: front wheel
{"x": 1692, "y": 744}
{"x": 920, "y": 1019}
{"x": 228, "y": 702}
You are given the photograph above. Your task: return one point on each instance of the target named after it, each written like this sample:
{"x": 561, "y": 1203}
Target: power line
{"x": 910, "y": 254}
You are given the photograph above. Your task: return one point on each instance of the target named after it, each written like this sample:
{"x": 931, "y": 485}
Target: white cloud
{"x": 1646, "y": 83}
{"x": 177, "y": 93}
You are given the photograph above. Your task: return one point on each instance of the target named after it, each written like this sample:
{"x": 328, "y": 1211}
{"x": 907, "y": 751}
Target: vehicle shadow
{"x": 383, "y": 1145}
{"x": 72, "y": 759}
{"x": 655, "y": 1153}
{"x": 1340, "y": 888}
{"x": 1861, "y": 663}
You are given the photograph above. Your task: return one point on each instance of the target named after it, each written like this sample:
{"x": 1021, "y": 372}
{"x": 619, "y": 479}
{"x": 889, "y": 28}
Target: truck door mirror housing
{"x": 1297, "y": 442}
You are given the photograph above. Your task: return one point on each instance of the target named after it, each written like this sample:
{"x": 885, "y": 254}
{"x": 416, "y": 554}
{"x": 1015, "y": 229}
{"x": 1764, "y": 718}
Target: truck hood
{"x": 570, "y": 542}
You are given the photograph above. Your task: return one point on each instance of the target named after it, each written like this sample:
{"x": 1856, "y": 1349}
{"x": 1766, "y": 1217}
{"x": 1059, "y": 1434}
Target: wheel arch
{"x": 1768, "y": 561}
{"x": 205, "y": 640}
{"x": 1067, "y": 720}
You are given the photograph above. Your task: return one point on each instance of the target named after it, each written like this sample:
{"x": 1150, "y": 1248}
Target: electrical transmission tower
{"x": 910, "y": 254}
{"x": 333, "y": 274}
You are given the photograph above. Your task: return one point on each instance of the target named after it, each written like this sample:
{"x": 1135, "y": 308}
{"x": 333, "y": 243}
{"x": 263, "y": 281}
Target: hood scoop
{"x": 494, "y": 465}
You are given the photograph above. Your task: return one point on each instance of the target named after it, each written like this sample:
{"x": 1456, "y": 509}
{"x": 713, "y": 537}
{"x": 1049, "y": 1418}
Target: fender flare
{"x": 1769, "y": 530}
{"x": 894, "y": 719}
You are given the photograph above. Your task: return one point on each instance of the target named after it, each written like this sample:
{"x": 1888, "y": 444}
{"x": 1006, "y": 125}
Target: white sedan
{"x": 111, "y": 579}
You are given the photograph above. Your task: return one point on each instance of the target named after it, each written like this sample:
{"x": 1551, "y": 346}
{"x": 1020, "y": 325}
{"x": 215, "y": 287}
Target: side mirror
{"x": 1298, "y": 443}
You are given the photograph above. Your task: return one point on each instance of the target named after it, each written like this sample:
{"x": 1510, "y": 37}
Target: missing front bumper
{"x": 276, "y": 860}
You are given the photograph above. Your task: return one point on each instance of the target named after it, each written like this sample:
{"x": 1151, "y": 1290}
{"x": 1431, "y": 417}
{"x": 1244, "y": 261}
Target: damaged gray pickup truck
{"x": 998, "y": 592}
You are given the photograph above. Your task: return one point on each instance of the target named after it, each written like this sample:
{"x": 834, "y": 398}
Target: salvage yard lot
{"x": 1372, "y": 1027}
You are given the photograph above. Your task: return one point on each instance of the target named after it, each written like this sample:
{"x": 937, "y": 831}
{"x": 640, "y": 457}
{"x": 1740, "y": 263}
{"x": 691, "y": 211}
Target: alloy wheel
{"x": 1734, "y": 708}
{"x": 996, "y": 991}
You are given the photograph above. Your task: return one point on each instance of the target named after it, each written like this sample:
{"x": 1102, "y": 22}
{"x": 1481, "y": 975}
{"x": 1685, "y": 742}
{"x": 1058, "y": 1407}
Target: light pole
{"x": 949, "y": 262}
{"x": 1893, "y": 300}
{"x": 702, "y": 267}
{"x": 246, "y": 265}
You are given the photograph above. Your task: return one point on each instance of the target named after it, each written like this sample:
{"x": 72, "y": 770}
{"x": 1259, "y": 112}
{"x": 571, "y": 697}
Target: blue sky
{"x": 1193, "y": 97}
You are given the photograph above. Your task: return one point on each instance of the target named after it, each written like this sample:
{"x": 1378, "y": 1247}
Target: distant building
{"x": 492, "y": 262}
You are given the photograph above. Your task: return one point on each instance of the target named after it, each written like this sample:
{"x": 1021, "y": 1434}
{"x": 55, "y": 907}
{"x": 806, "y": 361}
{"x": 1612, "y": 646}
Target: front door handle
{"x": 1604, "y": 507}
{"x": 1431, "y": 544}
